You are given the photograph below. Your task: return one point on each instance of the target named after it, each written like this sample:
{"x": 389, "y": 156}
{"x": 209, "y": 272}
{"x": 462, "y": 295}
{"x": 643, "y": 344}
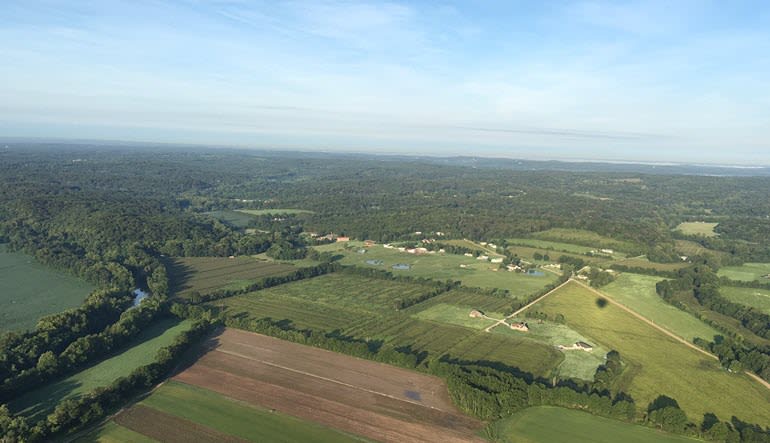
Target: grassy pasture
{"x": 576, "y": 364}
{"x": 467, "y": 300}
{"x": 550, "y": 245}
{"x": 746, "y": 272}
{"x": 521, "y": 352}
{"x": 235, "y": 418}
{"x": 277, "y": 211}
{"x": 660, "y": 364}
{"x": 476, "y": 273}
{"x": 643, "y": 262}
{"x": 546, "y": 424}
{"x": 582, "y": 237}
{"x": 456, "y": 315}
{"x": 757, "y": 298}
{"x": 207, "y": 274}
{"x": 30, "y": 290}
{"x": 638, "y": 293}
{"x": 40, "y": 402}
{"x": 697, "y": 228}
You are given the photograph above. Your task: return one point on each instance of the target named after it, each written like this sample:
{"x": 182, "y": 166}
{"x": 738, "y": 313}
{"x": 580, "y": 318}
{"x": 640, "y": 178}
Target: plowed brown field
{"x": 374, "y": 400}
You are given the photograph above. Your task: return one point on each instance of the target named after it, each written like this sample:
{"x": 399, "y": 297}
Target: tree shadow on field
{"x": 601, "y": 302}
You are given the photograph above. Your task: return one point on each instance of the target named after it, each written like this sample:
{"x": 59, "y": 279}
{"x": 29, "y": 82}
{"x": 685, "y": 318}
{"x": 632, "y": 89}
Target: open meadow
{"x": 747, "y": 272}
{"x": 30, "y": 290}
{"x": 659, "y": 364}
{"x": 643, "y": 262}
{"x": 638, "y": 293}
{"x": 207, "y": 274}
{"x": 40, "y": 402}
{"x": 545, "y": 424}
{"x": 470, "y": 271}
{"x": 756, "y": 298}
{"x": 550, "y": 245}
{"x": 697, "y": 228}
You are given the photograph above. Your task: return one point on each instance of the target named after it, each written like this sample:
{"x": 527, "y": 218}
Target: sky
{"x": 668, "y": 81}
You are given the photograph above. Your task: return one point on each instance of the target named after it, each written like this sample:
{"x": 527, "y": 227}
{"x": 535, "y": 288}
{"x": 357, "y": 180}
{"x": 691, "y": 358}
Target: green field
{"x": 456, "y": 315}
{"x": 698, "y": 228}
{"x": 659, "y": 364}
{"x": 638, "y": 293}
{"x": 278, "y": 211}
{"x": 40, "y": 402}
{"x": 207, "y": 274}
{"x": 232, "y": 218}
{"x": 467, "y": 300}
{"x": 552, "y": 245}
{"x": 576, "y": 364}
{"x": 475, "y": 273}
{"x": 643, "y": 262}
{"x": 545, "y": 424}
{"x": 29, "y": 290}
{"x": 746, "y": 272}
{"x": 757, "y": 298}
{"x": 582, "y": 237}
{"x": 230, "y": 417}
{"x": 112, "y": 432}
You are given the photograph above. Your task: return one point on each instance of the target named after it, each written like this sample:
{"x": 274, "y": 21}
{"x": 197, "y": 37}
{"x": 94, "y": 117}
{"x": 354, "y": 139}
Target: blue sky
{"x": 657, "y": 81}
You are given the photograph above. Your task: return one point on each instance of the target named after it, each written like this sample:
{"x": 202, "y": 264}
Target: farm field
{"x": 757, "y": 298}
{"x": 349, "y": 394}
{"x": 697, "y": 228}
{"x": 585, "y": 238}
{"x": 475, "y": 273}
{"x": 277, "y": 211}
{"x": 690, "y": 248}
{"x": 746, "y": 272}
{"x": 204, "y": 414}
{"x": 638, "y": 293}
{"x": 643, "y": 262}
{"x": 112, "y": 432}
{"x": 363, "y": 307}
{"x": 30, "y": 290}
{"x": 660, "y": 364}
{"x": 575, "y": 364}
{"x": 550, "y": 245}
{"x": 537, "y": 425}
{"x": 207, "y": 274}
{"x": 40, "y": 402}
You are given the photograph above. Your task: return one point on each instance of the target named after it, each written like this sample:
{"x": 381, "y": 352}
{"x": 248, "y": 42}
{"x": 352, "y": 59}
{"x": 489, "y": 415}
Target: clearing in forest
{"x": 756, "y": 298}
{"x": 659, "y": 364}
{"x": 747, "y": 272}
{"x": 698, "y": 228}
{"x": 356, "y": 396}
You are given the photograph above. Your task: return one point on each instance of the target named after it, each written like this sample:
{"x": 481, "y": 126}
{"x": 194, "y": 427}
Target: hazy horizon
{"x": 652, "y": 81}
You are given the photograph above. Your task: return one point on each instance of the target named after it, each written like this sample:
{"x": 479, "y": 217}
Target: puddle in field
{"x": 413, "y": 395}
